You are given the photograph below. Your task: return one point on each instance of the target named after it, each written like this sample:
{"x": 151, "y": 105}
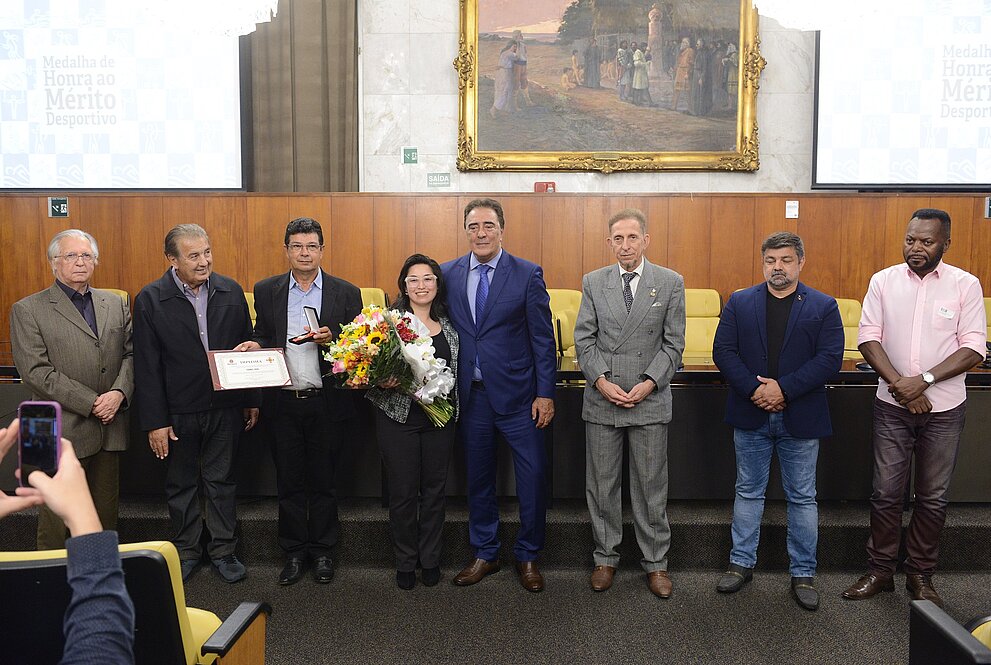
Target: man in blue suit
{"x": 776, "y": 345}
{"x": 507, "y": 368}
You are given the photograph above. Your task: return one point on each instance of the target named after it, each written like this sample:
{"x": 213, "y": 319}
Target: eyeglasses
{"x": 72, "y": 257}
{"x": 429, "y": 280}
{"x": 296, "y": 248}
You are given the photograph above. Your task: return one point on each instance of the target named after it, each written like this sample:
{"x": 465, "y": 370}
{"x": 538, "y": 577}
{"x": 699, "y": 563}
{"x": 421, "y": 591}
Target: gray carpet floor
{"x": 362, "y": 617}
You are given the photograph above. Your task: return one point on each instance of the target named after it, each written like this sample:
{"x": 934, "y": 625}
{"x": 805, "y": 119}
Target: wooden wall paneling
{"x": 437, "y": 227}
{"x": 820, "y": 227}
{"x": 961, "y": 211}
{"x": 659, "y": 214}
{"x": 463, "y": 246}
{"x": 25, "y": 268}
{"x": 561, "y": 238}
{"x": 226, "y": 220}
{"x": 980, "y": 246}
{"x": 394, "y": 235}
{"x": 262, "y": 232}
{"x": 187, "y": 210}
{"x": 732, "y": 250}
{"x": 769, "y": 217}
{"x": 860, "y": 248}
{"x": 141, "y": 255}
{"x": 351, "y": 240}
{"x": 99, "y": 216}
{"x": 523, "y": 221}
{"x": 689, "y": 237}
{"x": 595, "y": 252}
{"x": 898, "y": 210}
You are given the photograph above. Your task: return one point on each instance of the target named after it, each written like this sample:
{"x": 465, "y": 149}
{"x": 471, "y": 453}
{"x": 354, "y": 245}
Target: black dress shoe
{"x": 323, "y": 569}
{"x": 406, "y": 579}
{"x": 430, "y": 576}
{"x": 734, "y": 578}
{"x": 804, "y": 592}
{"x": 292, "y": 571}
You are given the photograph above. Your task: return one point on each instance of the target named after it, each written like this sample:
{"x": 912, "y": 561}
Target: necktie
{"x": 627, "y": 291}
{"x": 482, "y": 294}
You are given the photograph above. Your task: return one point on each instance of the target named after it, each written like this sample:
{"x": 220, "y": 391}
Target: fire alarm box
{"x": 544, "y": 187}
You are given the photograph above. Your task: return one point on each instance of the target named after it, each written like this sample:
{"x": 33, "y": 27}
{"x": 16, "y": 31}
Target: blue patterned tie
{"x": 627, "y": 291}
{"x": 482, "y": 294}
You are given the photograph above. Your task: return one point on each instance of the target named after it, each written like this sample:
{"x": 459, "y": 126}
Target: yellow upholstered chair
{"x": 371, "y": 295}
{"x": 981, "y": 626}
{"x": 702, "y": 302}
{"x": 565, "y": 299}
{"x": 564, "y": 329}
{"x": 35, "y": 595}
{"x": 700, "y": 331}
{"x": 850, "y": 314}
{"x": 250, "y": 297}
{"x": 127, "y": 297}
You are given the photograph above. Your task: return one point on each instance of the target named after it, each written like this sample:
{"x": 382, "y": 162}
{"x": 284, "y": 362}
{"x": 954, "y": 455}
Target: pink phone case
{"x": 57, "y": 432}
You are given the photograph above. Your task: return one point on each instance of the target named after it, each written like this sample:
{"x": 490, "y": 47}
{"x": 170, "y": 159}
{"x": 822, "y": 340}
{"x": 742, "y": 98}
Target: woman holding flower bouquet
{"x": 416, "y": 451}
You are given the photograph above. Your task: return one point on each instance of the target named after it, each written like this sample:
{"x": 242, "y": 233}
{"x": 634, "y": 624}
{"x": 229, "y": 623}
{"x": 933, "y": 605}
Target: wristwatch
{"x": 929, "y": 378}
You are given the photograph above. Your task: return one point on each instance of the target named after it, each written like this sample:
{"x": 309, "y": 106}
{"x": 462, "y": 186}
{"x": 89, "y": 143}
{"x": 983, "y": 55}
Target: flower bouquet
{"x": 382, "y": 344}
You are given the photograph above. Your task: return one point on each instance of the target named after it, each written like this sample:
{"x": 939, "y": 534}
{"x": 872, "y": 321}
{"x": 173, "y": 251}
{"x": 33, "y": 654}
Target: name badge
{"x": 946, "y": 313}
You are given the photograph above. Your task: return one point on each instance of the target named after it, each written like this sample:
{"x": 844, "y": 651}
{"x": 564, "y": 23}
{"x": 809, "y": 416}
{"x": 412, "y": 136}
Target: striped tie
{"x": 627, "y": 291}
{"x": 482, "y": 294}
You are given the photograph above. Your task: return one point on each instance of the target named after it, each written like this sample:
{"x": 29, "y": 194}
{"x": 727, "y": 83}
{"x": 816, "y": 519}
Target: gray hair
{"x": 630, "y": 213}
{"x": 783, "y": 239}
{"x": 182, "y": 231}
{"x": 56, "y": 244}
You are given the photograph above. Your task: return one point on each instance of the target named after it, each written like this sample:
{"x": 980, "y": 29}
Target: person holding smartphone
{"x": 99, "y": 622}
{"x": 416, "y": 454}
{"x": 304, "y": 418}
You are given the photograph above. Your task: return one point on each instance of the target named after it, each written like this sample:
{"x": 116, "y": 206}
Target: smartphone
{"x": 40, "y": 443}
{"x": 313, "y": 321}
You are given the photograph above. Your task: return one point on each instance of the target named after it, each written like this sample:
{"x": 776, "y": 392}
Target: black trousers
{"x": 306, "y": 449}
{"x": 416, "y": 456}
{"x": 204, "y": 454}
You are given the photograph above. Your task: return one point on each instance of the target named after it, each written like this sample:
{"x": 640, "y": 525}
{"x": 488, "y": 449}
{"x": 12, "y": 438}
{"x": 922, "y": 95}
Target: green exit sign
{"x": 58, "y": 206}
{"x": 409, "y": 155}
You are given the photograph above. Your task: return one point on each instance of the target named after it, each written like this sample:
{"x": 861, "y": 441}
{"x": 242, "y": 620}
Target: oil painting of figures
{"x": 608, "y": 75}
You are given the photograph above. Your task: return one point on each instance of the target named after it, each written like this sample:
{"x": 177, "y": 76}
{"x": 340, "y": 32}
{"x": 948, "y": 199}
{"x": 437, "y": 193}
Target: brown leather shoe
{"x": 530, "y": 576}
{"x": 921, "y": 588}
{"x": 659, "y": 583}
{"x": 475, "y": 571}
{"x": 868, "y": 586}
{"x": 602, "y": 577}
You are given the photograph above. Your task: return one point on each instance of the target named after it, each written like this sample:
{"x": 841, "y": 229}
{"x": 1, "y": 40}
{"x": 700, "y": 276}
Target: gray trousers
{"x": 648, "y": 491}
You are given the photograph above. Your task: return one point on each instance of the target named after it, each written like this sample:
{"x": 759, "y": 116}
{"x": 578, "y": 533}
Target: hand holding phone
{"x": 40, "y": 439}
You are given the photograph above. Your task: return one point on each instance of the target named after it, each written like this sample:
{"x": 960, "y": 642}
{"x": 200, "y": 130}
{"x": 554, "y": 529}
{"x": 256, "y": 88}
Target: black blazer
{"x": 341, "y": 304}
{"x": 171, "y": 373}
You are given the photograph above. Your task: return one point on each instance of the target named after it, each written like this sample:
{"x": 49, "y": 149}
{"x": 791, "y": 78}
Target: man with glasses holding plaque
{"x": 72, "y": 345}
{"x": 304, "y": 417}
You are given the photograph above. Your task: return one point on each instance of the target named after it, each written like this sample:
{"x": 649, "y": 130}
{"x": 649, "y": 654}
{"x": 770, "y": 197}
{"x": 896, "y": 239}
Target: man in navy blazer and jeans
{"x": 507, "y": 368}
{"x": 776, "y": 345}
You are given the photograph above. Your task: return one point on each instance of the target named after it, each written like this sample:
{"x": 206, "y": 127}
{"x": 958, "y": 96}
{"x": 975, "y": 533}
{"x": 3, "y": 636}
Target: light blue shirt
{"x": 303, "y": 360}
{"x": 199, "y": 300}
{"x": 473, "y": 278}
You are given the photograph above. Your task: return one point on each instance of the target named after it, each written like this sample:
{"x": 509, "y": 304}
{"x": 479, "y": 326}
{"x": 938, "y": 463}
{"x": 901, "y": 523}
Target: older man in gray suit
{"x": 72, "y": 344}
{"x": 629, "y": 336}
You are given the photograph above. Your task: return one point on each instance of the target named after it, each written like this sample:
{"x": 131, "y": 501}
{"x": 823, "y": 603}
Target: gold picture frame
{"x": 569, "y": 124}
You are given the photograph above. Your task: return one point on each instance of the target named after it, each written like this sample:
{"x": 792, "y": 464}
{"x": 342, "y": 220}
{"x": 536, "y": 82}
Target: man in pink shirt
{"x": 923, "y": 326}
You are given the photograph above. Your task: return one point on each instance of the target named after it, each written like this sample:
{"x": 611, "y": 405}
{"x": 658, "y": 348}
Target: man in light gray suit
{"x": 72, "y": 345}
{"x": 629, "y": 337}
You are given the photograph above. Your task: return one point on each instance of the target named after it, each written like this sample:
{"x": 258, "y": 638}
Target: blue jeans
{"x": 797, "y": 458}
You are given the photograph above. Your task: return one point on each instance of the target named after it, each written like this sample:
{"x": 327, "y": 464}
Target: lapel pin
{"x": 653, "y": 293}
{"x": 800, "y": 297}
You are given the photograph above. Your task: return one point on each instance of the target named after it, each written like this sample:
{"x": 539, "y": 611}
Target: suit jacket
{"x": 60, "y": 359}
{"x": 513, "y": 341}
{"x": 171, "y": 368}
{"x": 646, "y": 342}
{"x": 812, "y": 352}
{"x": 340, "y": 304}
